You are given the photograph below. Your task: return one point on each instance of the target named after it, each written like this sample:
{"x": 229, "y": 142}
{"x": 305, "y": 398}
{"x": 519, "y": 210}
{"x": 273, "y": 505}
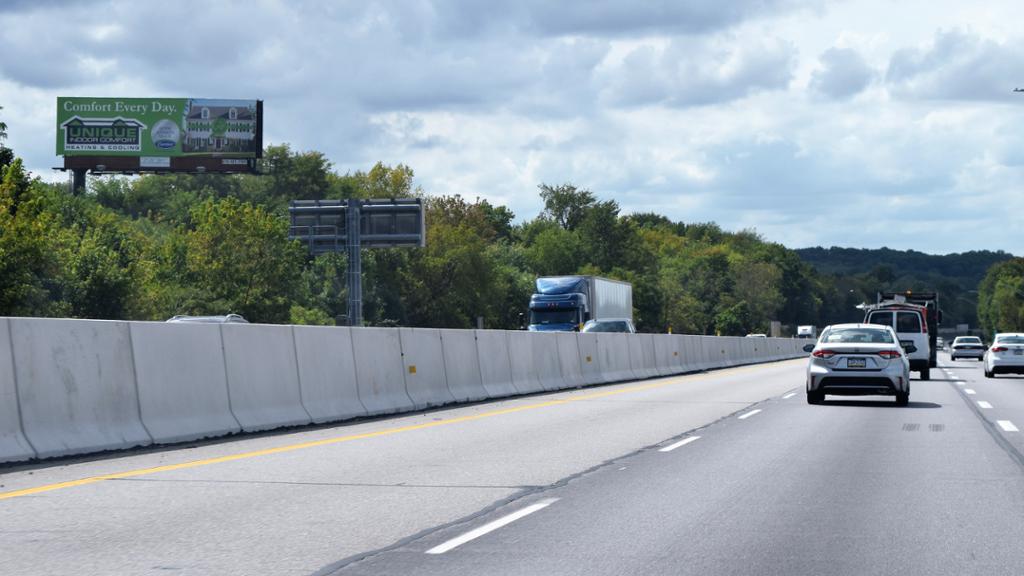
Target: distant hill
{"x": 966, "y": 269}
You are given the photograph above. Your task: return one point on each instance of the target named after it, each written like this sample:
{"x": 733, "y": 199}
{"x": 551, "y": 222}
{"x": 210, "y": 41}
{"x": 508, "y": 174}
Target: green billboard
{"x": 159, "y": 127}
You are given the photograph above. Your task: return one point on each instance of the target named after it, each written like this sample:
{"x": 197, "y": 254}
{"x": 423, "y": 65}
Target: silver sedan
{"x": 858, "y": 359}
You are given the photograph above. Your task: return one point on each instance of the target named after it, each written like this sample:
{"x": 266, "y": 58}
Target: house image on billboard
{"x": 220, "y": 126}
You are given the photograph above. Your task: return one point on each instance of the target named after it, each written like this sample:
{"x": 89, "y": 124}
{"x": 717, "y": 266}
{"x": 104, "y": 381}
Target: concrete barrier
{"x": 570, "y": 359}
{"x": 547, "y": 360}
{"x": 689, "y": 353}
{"x": 666, "y": 355}
{"x": 181, "y": 381}
{"x": 462, "y": 365}
{"x": 649, "y": 366}
{"x": 495, "y": 365}
{"x": 13, "y": 445}
{"x": 615, "y": 356}
{"x": 327, "y": 373}
{"x": 76, "y": 385}
{"x": 426, "y": 382}
{"x": 590, "y": 359}
{"x": 524, "y": 362}
{"x": 379, "y": 370}
{"x": 263, "y": 376}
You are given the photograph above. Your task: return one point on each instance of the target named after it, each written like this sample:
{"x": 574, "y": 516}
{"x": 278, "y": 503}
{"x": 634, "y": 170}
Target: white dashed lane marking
{"x": 983, "y": 404}
{"x": 749, "y": 414}
{"x": 1007, "y": 426}
{"x": 682, "y": 442}
{"x": 491, "y": 527}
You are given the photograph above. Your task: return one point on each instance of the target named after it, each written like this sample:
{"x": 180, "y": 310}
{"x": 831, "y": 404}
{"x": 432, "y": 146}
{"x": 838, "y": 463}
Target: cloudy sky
{"x": 861, "y": 123}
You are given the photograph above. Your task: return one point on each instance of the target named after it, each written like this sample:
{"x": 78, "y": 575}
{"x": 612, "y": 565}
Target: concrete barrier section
{"x": 590, "y": 359}
{"x": 495, "y": 365}
{"x": 13, "y": 445}
{"x": 423, "y": 357}
{"x": 182, "y": 384}
{"x": 76, "y": 385}
{"x": 649, "y": 367}
{"x": 524, "y": 362}
{"x": 546, "y": 359}
{"x": 263, "y": 376}
{"x": 327, "y": 373}
{"x": 570, "y": 359}
{"x": 462, "y": 365}
{"x": 666, "y": 355}
{"x": 379, "y": 370}
{"x": 614, "y": 353}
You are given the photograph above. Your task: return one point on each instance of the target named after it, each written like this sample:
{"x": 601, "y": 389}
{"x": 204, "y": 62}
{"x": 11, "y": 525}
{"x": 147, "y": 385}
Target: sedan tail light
{"x": 823, "y": 353}
{"x": 999, "y": 348}
{"x": 890, "y": 354}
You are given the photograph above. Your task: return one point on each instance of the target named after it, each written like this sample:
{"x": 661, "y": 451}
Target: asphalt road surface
{"x": 729, "y": 472}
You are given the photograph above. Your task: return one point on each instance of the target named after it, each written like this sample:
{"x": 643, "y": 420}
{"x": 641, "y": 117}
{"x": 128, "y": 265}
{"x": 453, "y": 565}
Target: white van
{"x": 909, "y": 322}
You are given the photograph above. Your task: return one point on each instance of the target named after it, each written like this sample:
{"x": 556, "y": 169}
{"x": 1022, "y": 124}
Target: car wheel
{"x": 815, "y": 397}
{"x": 981, "y": 359}
{"x": 902, "y": 398}
{"x": 926, "y": 374}
{"x": 989, "y": 374}
{"x": 953, "y": 358}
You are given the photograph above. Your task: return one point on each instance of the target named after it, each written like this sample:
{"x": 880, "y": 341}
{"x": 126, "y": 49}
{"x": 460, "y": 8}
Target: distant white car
{"x": 857, "y": 360}
{"x": 757, "y": 335}
{"x": 967, "y": 347}
{"x": 1006, "y": 355}
{"x": 610, "y": 325}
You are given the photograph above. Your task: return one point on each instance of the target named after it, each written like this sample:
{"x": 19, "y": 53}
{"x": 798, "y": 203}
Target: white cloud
{"x": 861, "y": 123}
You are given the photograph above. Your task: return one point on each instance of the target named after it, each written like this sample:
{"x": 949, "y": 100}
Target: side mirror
{"x": 808, "y": 348}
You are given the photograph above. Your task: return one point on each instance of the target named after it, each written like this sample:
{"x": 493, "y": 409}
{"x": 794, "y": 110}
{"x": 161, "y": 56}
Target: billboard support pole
{"x": 78, "y": 181}
{"x": 355, "y": 264}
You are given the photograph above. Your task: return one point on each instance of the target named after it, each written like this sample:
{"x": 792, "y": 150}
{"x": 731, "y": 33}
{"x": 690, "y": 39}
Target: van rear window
{"x": 908, "y": 322}
{"x": 883, "y": 318}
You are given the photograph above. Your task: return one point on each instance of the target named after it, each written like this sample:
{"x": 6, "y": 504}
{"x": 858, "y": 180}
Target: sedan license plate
{"x": 1018, "y": 352}
{"x": 856, "y": 363}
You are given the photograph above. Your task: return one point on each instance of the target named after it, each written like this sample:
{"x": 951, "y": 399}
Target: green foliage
{"x": 238, "y": 260}
{"x": 1001, "y": 297}
{"x": 155, "y": 246}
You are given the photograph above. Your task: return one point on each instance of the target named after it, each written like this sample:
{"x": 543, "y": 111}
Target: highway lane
{"x": 856, "y": 486}
{"x": 999, "y": 400}
{"x": 320, "y": 498}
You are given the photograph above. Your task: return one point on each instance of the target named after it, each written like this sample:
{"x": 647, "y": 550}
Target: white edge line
{"x": 983, "y": 404}
{"x": 1007, "y": 426}
{"x": 682, "y": 442}
{"x": 788, "y": 396}
{"x": 490, "y": 527}
{"x": 749, "y": 414}
{"x": 969, "y": 391}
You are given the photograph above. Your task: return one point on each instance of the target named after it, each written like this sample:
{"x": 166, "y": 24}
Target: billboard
{"x": 157, "y": 129}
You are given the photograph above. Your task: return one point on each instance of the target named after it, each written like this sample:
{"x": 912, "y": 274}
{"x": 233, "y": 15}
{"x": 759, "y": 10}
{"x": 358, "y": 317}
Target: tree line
{"x": 151, "y": 247}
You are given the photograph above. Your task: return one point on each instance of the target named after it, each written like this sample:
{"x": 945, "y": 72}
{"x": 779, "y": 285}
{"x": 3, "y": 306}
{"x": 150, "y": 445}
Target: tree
{"x": 239, "y": 259}
{"x": 6, "y": 154}
{"x": 1001, "y": 297}
{"x": 565, "y": 204}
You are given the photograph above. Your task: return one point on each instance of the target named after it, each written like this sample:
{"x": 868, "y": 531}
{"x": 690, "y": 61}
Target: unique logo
{"x": 103, "y": 134}
{"x": 165, "y": 134}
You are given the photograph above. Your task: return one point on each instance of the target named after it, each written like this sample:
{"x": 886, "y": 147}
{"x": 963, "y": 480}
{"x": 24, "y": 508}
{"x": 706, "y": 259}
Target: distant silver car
{"x": 857, "y": 360}
{"x": 967, "y": 347}
{"x": 225, "y": 319}
{"x": 1005, "y": 355}
{"x": 610, "y": 325}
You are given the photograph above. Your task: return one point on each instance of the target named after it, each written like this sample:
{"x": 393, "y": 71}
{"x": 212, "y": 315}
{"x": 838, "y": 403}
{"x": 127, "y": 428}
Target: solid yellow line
{"x": 340, "y": 439}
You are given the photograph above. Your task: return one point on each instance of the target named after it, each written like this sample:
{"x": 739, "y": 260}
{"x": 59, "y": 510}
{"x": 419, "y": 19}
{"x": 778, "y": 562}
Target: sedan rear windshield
{"x": 858, "y": 335}
{"x": 968, "y": 341}
{"x": 1010, "y": 339}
